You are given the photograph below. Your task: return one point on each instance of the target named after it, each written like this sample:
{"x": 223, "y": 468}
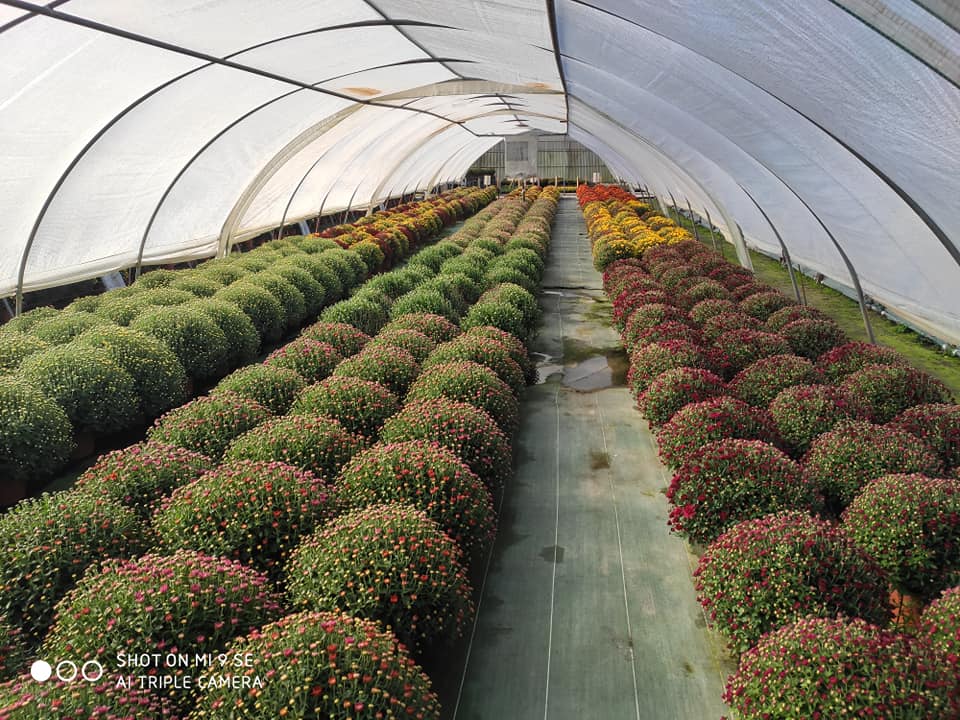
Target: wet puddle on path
{"x": 592, "y": 373}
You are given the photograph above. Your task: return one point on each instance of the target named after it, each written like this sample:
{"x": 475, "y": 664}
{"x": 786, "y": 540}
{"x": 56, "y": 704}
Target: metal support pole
{"x": 696, "y": 233}
{"x": 713, "y": 237}
{"x": 673, "y": 200}
{"x": 783, "y": 246}
{"x": 861, "y": 300}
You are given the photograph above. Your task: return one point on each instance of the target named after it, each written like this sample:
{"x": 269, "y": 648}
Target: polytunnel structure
{"x": 139, "y": 133}
{"x": 308, "y": 370}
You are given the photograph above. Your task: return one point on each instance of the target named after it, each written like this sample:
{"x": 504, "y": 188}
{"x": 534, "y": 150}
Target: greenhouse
{"x": 469, "y": 360}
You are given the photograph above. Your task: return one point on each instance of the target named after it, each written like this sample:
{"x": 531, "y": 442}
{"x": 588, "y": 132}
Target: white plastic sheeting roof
{"x": 135, "y": 131}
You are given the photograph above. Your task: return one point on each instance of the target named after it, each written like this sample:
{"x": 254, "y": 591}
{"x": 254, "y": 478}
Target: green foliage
{"x": 271, "y": 386}
{"x": 65, "y": 327}
{"x": 365, "y": 314}
{"x": 95, "y": 393}
{"x": 421, "y": 591}
{"x": 290, "y": 298}
{"x": 243, "y": 341}
{"x": 209, "y": 424}
{"x": 361, "y": 406}
{"x": 160, "y": 380}
{"x": 49, "y": 541}
{"x": 313, "y": 292}
{"x": 315, "y": 443}
{"x": 196, "y": 340}
{"x": 15, "y": 346}
{"x": 36, "y": 437}
{"x": 254, "y": 512}
{"x": 260, "y": 305}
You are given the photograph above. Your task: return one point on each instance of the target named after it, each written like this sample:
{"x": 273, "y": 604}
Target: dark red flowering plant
{"x": 649, "y": 361}
{"x": 911, "y": 525}
{"x": 840, "y": 669}
{"x": 769, "y": 572}
{"x": 803, "y": 412}
{"x": 842, "y": 461}
{"x": 675, "y": 388}
{"x": 760, "y": 382}
{"x": 940, "y": 626}
{"x": 938, "y": 425}
{"x": 482, "y": 350}
{"x": 762, "y": 305}
{"x": 436, "y": 327}
{"x": 706, "y": 309}
{"x": 716, "y": 325}
{"x": 648, "y": 316}
{"x": 841, "y": 361}
{"x": 888, "y": 390}
{"x": 719, "y": 418}
{"x": 742, "y": 347}
{"x": 733, "y": 480}
{"x": 811, "y": 338}
{"x": 344, "y": 338}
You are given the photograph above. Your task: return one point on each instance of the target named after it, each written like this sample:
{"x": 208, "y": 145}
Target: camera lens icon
{"x": 67, "y": 671}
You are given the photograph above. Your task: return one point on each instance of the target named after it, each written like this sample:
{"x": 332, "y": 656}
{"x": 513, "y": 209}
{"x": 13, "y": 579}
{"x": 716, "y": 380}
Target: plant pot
{"x": 906, "y": 610}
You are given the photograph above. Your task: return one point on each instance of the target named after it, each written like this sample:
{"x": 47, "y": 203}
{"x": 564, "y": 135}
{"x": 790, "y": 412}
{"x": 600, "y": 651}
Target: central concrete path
{"x": 588, "y": 609}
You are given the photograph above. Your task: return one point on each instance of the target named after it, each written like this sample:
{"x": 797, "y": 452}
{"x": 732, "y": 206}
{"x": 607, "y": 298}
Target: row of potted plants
{"x": 112, "y": 362}
{"x": 620, "y": 226}
{"x": 322, "y": 495}
{"x": 819, "y": 474}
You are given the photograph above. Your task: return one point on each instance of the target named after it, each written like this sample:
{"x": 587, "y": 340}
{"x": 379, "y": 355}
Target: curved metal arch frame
{"x": 738, "y": 237}
{"x": 396, "y": 166}
{"x": 230, "y": 126}
{"x": 94, "y": 139}
{"x": 246, "y": 198}
{"x": 450, "y": 161}
{"x": 742, "y": 253}
{"x": 276, "y": 163}
{"x": 918, "y": 210}
{"x": 783, "y": 245}
{"x": 855, "y": 278}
